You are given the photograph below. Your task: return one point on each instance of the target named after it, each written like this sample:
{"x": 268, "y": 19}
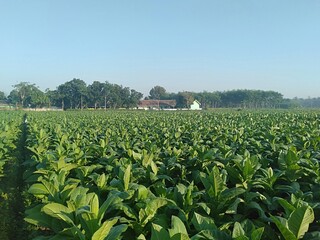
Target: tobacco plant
{"x": 174, "y": 175}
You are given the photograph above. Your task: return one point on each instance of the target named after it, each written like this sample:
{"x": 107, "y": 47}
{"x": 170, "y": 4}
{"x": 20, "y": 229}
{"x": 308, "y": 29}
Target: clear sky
{"x": 182, "y": 45}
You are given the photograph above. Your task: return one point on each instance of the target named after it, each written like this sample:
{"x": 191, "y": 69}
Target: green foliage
{"x": 177, "y": 175}
{"x": 27, "y": 95}
{"x": 157, "y": 92}
{"x": 297, "y": 224}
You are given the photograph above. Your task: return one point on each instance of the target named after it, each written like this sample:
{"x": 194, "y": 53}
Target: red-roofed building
{"x": 156, "y": 104}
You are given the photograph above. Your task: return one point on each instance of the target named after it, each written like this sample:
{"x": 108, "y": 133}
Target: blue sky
{"x": 182, "y": 45}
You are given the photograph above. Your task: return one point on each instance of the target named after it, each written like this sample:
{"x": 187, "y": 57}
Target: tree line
{"x": 226, "y": 99}
{"x": 307, "y": 103}
{"x": 76, "y": 94}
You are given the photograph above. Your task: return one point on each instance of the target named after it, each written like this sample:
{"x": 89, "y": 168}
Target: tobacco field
{"x": 244, "y": 175}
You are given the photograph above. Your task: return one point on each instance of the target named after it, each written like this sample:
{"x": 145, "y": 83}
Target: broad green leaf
{"x": 292, "y": 156}
{"x": 159, "y": 233}
{"x": 126, "y": 177}
{"x": 102, "y": 143}
{"x": 154, "y": 167}
{"x": 177, "y": 226}
{"x": 202, "y": 223}
{"x": 213, "y": 183}
{"x": 248, "y": 169}
{"x": 69, "y": 166}
{"x": 232, "y": 209}
{"x": 142, "y": 192}
{"x": 146, "y": 159}
{"x": 189, "y": 195}
{"x": 78, "y": 232}
{"x": 211, "y": 234}
{"x": 126, "y": 209}
{"x": 234, "y": 174}
{"x": 81, "y": 210}
{"x": 286, "y": 233}
{"x": 257, "y": 233}
{"x": 141, "y": 237}
{"x": 81, "y": 200}
{"x": 205, "y": 207}
{"x": 177, "y": 134}
{"x": 248, "y": 226}
{"x": 289, "y": 208}
{"x": 180, "y": 236}
{"x": 88, "y": 223}
{"x": 231, "y": 193}
{"x": 101, "y": 180}
{"x": 243, "y": 237}
{"x": 38, "y": 189}
{"x": 52, "y": 187}
{"x": 151, "y": 209}
{"x": 36, "y": 217}
{"x": 300, "y": 219}
{"x": 78, "y": 195}
{"x": 59, "y": 211}
{"x": 111, "y": 200}
{"x": 116, "y": 231}
{"x": 61, "y": 163}
{"x": 93, "y": 203}
{"x": 237, "y": 230}
{"x": 136, "y": 156}
{"x": 104, "y": 230}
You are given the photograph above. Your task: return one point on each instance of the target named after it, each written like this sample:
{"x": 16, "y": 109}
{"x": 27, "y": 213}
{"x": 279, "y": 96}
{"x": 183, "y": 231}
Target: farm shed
{"x": 195, "y": 105}
{"x": 155, "y": 104}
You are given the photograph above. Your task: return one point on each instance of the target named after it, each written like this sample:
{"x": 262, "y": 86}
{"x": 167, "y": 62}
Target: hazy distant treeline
{"x": 76, "y": 94}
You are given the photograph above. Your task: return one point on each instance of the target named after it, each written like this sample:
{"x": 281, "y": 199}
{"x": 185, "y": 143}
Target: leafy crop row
{"x": 160, "y": 175}
{"x": 11, "y": 213}
{"x": 9, "y": 132}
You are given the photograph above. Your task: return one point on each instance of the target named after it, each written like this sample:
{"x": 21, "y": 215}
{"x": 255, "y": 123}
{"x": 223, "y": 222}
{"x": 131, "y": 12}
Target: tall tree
{"x": 125, "y": 97}
{"x": 73, "y": 93}
{"x": 135, "y": 98}
{"x": 184, "y": 99}
{"x": 115, "y": 99}
{"x": 2, "y": 96}
{"x": 96, "y": 93}
{"x": 208, "y": 99}
{"x": 13, "y": 98}
{"x": 20, "y": 92}
{"x": 52, "y": 98}
{"x": 157, "y": 93}
{"x": 25, "y": 94}
{"x": 107, "y": 89}
{"x": 36, "y": 98}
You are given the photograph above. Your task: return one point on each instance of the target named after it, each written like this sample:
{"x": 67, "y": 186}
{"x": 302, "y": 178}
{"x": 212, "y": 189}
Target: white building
{"x": 195, "y": 105}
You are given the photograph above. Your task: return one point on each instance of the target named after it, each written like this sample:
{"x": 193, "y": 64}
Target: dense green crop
{"x": 10, "y": 133}
{"x": 173, "y": 175}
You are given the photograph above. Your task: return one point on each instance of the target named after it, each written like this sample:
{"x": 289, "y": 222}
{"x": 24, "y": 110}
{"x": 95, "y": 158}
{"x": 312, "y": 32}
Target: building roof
{"x": 196, "y": 101}
{"x": 156, "y": 103}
